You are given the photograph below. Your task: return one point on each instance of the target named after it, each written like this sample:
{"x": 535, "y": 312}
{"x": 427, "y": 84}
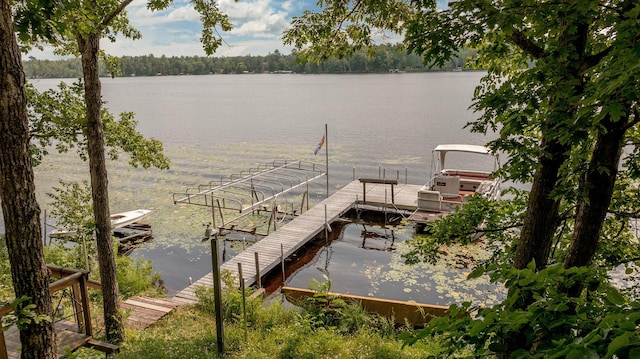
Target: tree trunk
{"x": 541, "y": 218}
{"x": 598, "y": 190}
{"x": 89, "y": 46}
{"x": 536, "y": 238}
{"x": 17, "y": 193}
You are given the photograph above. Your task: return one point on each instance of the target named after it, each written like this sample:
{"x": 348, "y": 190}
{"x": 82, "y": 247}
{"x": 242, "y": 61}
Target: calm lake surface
{"x": 223, "y": 124}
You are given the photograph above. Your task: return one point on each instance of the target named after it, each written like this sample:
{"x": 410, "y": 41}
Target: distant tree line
{"x": 384, "y": 58}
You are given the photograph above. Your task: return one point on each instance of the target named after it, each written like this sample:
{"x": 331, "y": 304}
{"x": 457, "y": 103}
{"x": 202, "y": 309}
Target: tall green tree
{"x": 17, "y": 193}
{"x": 78, "y": 28}
{"x": 561, "y": 92}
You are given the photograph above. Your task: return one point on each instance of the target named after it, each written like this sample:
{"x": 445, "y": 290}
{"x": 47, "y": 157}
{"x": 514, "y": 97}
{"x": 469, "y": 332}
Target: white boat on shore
{"x": 118, "y": 220}
{"x": 449, "y": 189}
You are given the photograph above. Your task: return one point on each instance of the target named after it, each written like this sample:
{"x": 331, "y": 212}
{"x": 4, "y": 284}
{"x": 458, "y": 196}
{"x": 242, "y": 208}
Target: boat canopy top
{"x": 463, "y": 148}
{"x": 443, "y": 149}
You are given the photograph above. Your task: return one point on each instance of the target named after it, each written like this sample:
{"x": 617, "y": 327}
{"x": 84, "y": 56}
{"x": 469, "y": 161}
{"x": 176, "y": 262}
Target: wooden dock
{"x": 293, "y": 235}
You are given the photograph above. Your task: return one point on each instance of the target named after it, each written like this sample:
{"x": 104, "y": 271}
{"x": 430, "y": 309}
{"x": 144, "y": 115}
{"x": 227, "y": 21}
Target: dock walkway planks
{"x": 303, "y": 228}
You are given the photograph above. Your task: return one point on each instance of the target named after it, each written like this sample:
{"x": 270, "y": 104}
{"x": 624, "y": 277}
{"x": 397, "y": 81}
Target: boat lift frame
{"x": 254, "y": 190}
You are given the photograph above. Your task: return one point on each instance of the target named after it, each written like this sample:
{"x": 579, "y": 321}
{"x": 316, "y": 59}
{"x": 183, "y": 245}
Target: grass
{"x": 323, "y": 326}
{"x": 276, "y": 332}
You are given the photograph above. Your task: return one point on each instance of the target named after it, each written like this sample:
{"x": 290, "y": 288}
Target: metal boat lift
{"x": 263, "y": 188}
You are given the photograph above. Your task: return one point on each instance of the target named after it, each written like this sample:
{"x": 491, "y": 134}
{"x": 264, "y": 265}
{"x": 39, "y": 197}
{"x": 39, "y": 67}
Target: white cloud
{"x": 287, "y": 5}
{"x": 269, "y": 26}
{"x": 186, "y": 13}
{"x": 244, "y": 10}
{"x": 176, "y": 31}
{"x": 256, "y": 18}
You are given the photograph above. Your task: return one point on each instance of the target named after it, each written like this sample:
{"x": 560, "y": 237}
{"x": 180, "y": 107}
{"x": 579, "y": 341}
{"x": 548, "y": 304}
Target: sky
{"x": 257, "y": 29}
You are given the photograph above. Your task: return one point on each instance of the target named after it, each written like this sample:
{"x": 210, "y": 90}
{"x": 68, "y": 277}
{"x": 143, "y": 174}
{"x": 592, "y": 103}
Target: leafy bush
{"x": 70, "y": 257}
{"x": 597, "y": 324}
{"x": 137, "y": 276}
{"x": 325, "y": 310}
{"x": 6, "y": 287}
{"x": 231, "y": 300}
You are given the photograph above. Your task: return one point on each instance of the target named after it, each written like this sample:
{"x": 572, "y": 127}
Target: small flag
{"x": 319, "y": 146}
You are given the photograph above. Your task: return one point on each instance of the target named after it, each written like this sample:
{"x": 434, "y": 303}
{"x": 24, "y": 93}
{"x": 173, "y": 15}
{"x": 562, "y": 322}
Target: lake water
{"x": 222, "y": 124}
{"x": 364, "y": 258}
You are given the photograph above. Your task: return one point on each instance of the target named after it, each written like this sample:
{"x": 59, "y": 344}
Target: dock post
{"x": 217, "y": 290}
{"x": 244, "y": 309}
{"x": 240, "y": 276}
{"x": 364, "y": 192}
{"x": 44, "y": 228}
{"x": 326, "y": 230}
{"x": 385, "y": 208}
{"x": 282, "y": 262}
{"x": 326, "y": 155}
{"x": 258, "y": 281}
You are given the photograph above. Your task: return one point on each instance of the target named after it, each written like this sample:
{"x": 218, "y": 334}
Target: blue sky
{"x": 257, "y": 29}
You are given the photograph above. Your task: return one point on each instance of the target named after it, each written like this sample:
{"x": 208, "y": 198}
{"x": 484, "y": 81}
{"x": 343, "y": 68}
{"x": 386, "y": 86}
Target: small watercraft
{"x": 450, "y": 188}
{"x": 118, "y": 220}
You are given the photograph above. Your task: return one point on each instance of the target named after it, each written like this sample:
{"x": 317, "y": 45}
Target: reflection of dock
{"x": 293, "y": 235}
{"x": 131, "y": 236}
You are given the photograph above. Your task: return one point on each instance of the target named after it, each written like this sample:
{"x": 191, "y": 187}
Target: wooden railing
{"x": 364, "y": 182}
{"x": 79, "y": 282}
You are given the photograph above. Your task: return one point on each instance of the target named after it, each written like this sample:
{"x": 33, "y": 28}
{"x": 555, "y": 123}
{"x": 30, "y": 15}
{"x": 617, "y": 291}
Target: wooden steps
{"x": 143, "y": 311}
{"x": 67, "y": 337}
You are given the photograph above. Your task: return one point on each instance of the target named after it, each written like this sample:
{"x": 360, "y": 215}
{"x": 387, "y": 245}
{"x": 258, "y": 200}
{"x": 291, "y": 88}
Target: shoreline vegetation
{"x": 320, "y": 326}
{"x": 383, "y": 59}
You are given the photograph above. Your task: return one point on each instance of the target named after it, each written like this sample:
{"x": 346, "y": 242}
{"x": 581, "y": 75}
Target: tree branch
{"x": 593, "y": 60}
{"x": 526, "y": 45}
{"x": 346, "y": 17}
{"x": 635, "y": 259}
{"x": 635, "y": 121}
{"x": 516, "y": 35}
{"x": 485, "y": 230}
{"x": 107, "y": 20}
{"x": 626, "y": 214}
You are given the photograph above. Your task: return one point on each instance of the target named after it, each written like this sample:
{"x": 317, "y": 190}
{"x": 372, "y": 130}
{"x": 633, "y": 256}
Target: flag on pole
{"x": 319, "y": 146}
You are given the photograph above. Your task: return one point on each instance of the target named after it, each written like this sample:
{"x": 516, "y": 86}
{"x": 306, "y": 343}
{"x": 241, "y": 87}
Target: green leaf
{"x": 477, "y": 272}
{"x": 496, "y": 347}
{"x": 576, "y": 353}
{"x": 613, "y": 296}
{"x": 477, "y": 327}
{"x": 618, "y": 343}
